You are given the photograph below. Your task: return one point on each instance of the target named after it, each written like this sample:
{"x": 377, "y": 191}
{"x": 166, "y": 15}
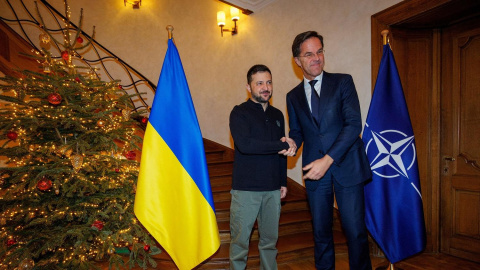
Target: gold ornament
{"x": 111, "y": 250}
{"x": 3, "y": 221}
{"x": 64, "y": 150}
{"x": 57, "y": 191}
{"x": 100, "y": 123}
{"x": 44, "y": 38}
{"x": 126, "y": 114}
{"x": 46, "y": 67}
{"x": 77, "y": 161}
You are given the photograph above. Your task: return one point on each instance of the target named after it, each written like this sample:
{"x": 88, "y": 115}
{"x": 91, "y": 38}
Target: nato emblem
{"x": 391, "y": 153}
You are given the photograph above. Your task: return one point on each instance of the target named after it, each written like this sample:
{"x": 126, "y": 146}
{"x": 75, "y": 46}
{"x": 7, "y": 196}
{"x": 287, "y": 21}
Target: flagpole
{"x": 390, "y": 265}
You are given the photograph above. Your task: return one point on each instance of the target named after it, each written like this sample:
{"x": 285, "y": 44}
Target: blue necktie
{"x": 314, "y": 100}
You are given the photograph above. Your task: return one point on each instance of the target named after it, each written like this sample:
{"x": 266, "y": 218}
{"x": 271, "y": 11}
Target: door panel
{"x": 460, "y": 204}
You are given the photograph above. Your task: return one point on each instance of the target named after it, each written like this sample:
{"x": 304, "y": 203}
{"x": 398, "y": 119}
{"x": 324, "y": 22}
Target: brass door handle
{"x": 449, "y": 158}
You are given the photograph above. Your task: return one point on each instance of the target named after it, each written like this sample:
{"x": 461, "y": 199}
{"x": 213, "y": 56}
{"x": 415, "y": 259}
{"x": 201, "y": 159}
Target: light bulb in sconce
{"x": 221, "y": 18}
{"x": 235, "y": 14}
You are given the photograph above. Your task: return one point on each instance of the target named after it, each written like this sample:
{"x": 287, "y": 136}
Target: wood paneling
{"x": 460, "y": 217}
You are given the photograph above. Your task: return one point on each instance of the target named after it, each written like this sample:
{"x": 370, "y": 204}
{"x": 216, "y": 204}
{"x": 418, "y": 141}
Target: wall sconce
{"x": 135, "y": 3}
{"x": 235, "y": 14}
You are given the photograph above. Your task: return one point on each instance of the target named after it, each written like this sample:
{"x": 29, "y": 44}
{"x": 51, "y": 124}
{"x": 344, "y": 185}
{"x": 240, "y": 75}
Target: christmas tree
{"x": 71, "y": 143}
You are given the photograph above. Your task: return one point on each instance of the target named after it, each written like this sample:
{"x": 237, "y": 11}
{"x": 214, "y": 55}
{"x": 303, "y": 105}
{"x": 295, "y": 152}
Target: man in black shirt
{"x": 259, "y": 179}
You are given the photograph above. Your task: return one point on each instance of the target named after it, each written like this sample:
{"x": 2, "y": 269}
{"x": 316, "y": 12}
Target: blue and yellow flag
{"x": 393, "y": 200}
{"x": 174, "y": 199}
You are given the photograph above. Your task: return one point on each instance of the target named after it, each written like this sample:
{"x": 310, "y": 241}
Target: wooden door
{"x": 460, "y": 143}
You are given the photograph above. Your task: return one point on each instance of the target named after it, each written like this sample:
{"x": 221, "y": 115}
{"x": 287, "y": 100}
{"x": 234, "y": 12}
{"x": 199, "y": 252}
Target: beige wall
{"x": 216, "y": 67}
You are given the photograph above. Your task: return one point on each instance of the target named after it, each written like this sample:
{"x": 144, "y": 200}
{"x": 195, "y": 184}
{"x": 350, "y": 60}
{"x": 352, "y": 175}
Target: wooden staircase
{"x": 12, "y": 46}
{"x": 295, "y": 231}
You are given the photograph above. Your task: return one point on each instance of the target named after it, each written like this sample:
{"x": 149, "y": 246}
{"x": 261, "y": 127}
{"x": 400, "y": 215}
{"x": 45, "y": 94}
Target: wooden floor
{"x": 419, "y": 262}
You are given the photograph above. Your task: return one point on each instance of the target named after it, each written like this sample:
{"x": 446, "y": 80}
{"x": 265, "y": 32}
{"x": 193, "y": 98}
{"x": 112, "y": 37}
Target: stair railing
{"x": 101, "y": 61}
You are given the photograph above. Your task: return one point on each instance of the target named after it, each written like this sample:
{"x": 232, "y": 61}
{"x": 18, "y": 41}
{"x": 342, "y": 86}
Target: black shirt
{"x": 256, "y": 134}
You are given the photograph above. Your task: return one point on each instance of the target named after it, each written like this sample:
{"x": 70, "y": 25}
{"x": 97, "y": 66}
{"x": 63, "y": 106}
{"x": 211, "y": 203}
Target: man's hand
{"x": 283, "y": 192}
{"x": 292, "y": 150}
{"x": 317, "y": 168}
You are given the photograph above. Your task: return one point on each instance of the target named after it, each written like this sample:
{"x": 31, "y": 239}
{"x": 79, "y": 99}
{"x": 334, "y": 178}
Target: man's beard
{"x": 260, "y": 99}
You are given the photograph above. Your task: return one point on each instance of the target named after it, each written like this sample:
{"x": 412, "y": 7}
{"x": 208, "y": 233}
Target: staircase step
{"x": 221, "y": 188}
{"x": 214, "y": 155}
{"x": 220, "y": 168}
{"x": 221, "y": 180}
{"x": 221, "y": 195}
{"x": 288, "y": 206}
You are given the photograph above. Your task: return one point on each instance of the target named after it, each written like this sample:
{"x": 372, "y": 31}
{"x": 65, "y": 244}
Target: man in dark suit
{"x": 324, "y": 114}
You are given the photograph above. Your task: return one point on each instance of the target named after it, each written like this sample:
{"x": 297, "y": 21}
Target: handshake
{"x": 292, "y": 150}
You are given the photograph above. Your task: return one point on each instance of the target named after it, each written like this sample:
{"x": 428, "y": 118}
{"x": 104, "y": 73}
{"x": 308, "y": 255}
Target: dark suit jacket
{"x": 337, "y": 133}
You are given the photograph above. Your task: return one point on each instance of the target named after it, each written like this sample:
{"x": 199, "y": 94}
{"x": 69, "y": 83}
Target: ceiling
{"x": 249, "y": 6}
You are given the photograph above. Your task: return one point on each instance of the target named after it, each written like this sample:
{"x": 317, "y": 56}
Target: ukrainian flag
{"x": 174, "y": 199}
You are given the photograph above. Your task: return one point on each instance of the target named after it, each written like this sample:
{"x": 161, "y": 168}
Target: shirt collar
{"x": 306, "y": 82}
{"x": 257, "y": 105}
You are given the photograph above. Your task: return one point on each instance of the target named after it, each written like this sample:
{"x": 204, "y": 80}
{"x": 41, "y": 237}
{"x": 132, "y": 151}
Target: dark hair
{"x": 255, "y": 69}
{"x": 300, "y": 38}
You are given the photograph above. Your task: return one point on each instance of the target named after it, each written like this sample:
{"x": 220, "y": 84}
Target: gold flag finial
{"x": 170, "y": 30}
{"x": 384, "y": 34}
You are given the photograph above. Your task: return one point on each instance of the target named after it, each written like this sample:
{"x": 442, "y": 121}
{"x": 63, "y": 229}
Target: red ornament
{"x": 54, "y": 99}
{"x": 11, "y": 242}
{"x": 146, "y": 248}
{"x": 77, "y": 79}
{"x": 144, "y": 120}
{"x": 131, "y": 155}
{"x": 120, "y": 86}
{"x": 65, "y": 55}
{"x": 79, "y": 40}
{"x": 117, "y": 170}
{"x": 97, "y": 224}
{"x": 12, "y": 135}
{"x": 44, "y": 184}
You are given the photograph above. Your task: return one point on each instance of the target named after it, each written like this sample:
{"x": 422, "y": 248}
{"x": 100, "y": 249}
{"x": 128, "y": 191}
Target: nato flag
{"x": 393, "y": 200}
